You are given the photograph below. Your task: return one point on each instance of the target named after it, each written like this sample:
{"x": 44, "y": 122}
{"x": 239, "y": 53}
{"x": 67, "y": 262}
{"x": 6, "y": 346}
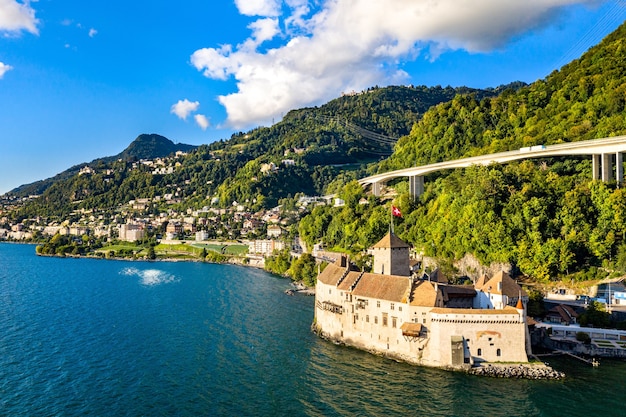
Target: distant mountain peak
{"x": 150, "y": 146}
{"x": 145, "y": 146}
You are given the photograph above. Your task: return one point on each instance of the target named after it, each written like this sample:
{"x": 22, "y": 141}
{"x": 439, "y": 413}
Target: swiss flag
{"x": 396, "y": 211}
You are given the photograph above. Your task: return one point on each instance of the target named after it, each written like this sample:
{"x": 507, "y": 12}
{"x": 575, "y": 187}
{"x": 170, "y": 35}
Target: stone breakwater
{"x": 518, "y": 371}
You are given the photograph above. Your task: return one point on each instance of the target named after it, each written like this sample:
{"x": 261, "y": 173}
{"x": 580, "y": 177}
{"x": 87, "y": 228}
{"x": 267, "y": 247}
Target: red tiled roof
{"x": 509, "y": 286}
{"x": 424, "y": 294}
{"x": 564, "y": 312}
{"x": 391, "y": 241}
{"x": 411, "y": 329}
{"x": 384, "y": 287}
{"x": 331, "y": 274}
{"x": 458, "y": 291}
{"x": 349, "y": 280}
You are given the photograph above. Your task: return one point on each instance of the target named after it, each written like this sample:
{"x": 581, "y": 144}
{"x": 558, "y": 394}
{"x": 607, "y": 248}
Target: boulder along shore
{"x": 519, "y": 371}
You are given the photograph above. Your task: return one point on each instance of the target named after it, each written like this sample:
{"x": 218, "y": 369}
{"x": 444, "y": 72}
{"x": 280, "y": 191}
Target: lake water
{"x": 112, "y": 338}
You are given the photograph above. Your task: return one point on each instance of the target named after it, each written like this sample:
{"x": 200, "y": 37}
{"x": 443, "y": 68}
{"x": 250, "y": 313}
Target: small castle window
{"x": 393, "y": 306}
{"x": 378, "y": 304}
{"x": 498, "y": 352}
{"x": 480, "y": 352}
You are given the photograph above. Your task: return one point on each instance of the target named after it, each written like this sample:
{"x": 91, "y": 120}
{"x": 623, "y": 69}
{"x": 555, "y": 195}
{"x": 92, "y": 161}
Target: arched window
{"x": 480, "y": 352}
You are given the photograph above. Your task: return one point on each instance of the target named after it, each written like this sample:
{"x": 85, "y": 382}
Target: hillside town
{"x": 264, "y": 232}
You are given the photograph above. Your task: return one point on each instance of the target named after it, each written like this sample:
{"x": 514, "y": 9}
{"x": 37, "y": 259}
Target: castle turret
{"x": 391, "y": 256}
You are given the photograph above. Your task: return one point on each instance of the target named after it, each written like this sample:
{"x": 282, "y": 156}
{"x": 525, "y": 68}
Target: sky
{"x": 81, "y": 80}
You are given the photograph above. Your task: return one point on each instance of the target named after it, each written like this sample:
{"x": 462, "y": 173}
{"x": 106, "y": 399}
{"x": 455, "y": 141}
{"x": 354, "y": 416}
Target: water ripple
{"x": 150, "y": 277}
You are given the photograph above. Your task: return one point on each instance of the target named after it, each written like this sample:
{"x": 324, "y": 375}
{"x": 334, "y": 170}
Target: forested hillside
{"x": 545, "y": 217}
{"x": 309, "y": 149}
{"x": 143, "y": 147}
{"x": 584, "y": 100}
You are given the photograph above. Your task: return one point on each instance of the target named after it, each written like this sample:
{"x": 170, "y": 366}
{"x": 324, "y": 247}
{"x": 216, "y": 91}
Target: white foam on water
{"x": 150, "y": 277}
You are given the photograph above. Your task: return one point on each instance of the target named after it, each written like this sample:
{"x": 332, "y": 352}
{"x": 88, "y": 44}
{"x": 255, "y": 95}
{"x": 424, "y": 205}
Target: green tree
{"x": 304, "y": 269}
{"x": 536, "y": 307}
{"x": 595, "y": 316}
{"x": 278, "y": 263}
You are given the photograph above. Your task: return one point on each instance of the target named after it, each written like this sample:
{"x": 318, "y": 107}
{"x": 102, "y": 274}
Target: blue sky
{"x": 81, "y": 80}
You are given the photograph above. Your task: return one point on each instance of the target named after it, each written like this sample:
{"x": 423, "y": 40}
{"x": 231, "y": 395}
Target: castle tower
{"x": 391, "y": 256}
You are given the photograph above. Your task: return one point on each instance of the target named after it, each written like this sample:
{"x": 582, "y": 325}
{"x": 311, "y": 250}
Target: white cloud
{"x": 264, "y": 29}
{"x": 15, "y": 16}
{"x": 92, "y": 32}
{"x": 258, "y": 7}
{"x": 183, "y": 108}
{"x": 202, "y": 121}
{"x": 354, "y": 44}
{"x": 4, "y": 68}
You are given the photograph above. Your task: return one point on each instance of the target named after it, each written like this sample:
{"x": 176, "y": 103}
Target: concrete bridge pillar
{"x": 376, "y": 186}
{"x": 595, "y": 167}
{"x": 602, "y": 167}
{"x": 416, "y": 185}
{"x": 619, "y": 168}
{"x": 607, "y": 168}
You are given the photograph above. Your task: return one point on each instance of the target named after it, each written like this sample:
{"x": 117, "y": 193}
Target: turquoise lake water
{"x": 82, "y": 337}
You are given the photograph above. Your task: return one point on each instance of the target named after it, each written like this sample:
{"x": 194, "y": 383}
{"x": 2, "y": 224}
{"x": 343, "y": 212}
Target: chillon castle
{"x": 421, "y": 321}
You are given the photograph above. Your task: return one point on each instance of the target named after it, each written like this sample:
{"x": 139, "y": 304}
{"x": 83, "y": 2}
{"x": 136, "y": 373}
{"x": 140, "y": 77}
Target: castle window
{"x": 378, "y": 304}
{"x": 394, "y": 321}
{"x": 498, "y": 352}
{"x": 392, "y": 306}
{"x": 480, "y": 352}
{"x": 367, "y": 318}
{"x": 384, "y": 319}
{"x": 399, "y": 308}
{"x": 375, "y": 319}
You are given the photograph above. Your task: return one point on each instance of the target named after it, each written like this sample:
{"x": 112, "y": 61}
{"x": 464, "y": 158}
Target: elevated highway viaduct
{"x": 606, "y": 154}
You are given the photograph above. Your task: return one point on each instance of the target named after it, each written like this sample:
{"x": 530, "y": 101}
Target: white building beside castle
{"x": 424, "y": 322}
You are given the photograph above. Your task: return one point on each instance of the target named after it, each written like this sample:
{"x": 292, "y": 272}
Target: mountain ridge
{"x": 144, "y": 146}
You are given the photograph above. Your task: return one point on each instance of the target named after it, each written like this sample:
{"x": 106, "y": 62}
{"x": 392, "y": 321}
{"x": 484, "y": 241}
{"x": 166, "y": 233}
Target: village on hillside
{"x": 263, "y": 232}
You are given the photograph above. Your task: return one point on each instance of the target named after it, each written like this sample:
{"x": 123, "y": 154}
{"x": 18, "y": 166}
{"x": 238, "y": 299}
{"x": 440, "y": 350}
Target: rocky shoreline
{"x": 517, "y": 371}
{"x": 300, "y": 288}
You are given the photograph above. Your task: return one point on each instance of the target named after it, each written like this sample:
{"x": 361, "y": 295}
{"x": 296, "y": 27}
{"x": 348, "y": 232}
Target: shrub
{"x": 583, "y": 337}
